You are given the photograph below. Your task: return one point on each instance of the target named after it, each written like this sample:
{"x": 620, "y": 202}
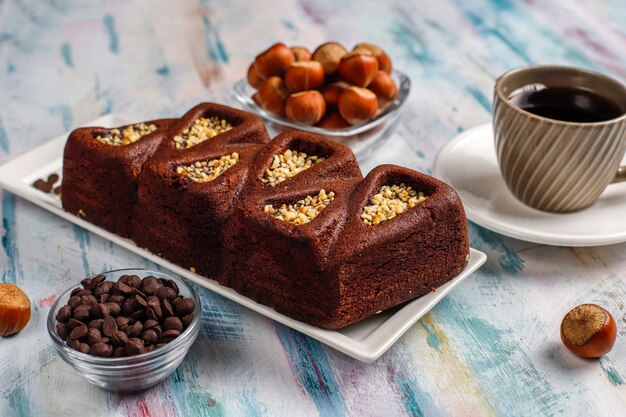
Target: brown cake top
{"x": 126, "y": 136}
{"x": 390, "y": 201}
{"x": 205, "y": 171}
{"x": 304, "y": 211}
{"x": 288, "y": 164}
{"x": 203, "y": 128}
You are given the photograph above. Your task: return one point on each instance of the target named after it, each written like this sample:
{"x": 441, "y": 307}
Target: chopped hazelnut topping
{"x": 389, "y": 202}
{"x": 126, "y": 136}
{"x": 205, "y": 171}
{"x": 288, "y": 164}
{"x": 304, "y": 210}
{"x": 203, "y": 128}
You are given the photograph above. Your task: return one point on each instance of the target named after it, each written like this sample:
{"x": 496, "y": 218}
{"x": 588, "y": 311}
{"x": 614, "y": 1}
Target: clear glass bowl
{"x": 136, "y": 372}
{"x": 363, "y": 138}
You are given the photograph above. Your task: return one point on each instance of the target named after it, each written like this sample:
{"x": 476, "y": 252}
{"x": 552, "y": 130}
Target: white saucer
{"x": 468, "y": 163}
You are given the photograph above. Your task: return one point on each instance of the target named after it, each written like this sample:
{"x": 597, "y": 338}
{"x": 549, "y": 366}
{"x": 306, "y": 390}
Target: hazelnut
{"x": 301, "y": 53}
{"x": 254, "y": 79}
{"x": 331, "y": 92}
{"x": 384, "y": 87}
{"x": 329, "y": 54}
{"x": 358, "y": 68}
{"x": 333, "y": 120}
{"x": 357, "y": 105}
{"x": 14, "y": 309}
{"x": 272, "y": 94}
{"x": 384, "y": 62}
{"x": 589, "y": 331}
{"x": 306, "y": 107}
{"x": 274, "y": 61}
{"x": 304, "y": 75}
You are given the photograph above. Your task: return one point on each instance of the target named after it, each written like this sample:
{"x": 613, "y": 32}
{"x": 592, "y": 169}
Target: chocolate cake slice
{"x": 189, "y": 188}
{"x": 100, "y": 170}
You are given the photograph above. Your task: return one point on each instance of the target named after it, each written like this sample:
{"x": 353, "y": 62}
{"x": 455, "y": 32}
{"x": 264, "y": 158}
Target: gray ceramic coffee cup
{"x": 556, "y": 165}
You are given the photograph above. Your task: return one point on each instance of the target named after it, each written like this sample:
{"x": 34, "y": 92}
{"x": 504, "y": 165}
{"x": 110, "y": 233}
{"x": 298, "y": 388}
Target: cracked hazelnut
{"x": 384, "y": 62}
{"x": 357, "y": 105}
{"x": 304, "y": 75}
{"x": 329, "y": 54}
{"x": 272, "y": 94}
{"x": 358, "y": 68}
{"x": 274, "y": 61}
{"x": 14, "y": 309}
{"x": 306, "y": 107}
{"x": 589, "y": 331}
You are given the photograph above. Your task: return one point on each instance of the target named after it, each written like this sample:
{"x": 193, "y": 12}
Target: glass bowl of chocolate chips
{"x": 125, "y": 330}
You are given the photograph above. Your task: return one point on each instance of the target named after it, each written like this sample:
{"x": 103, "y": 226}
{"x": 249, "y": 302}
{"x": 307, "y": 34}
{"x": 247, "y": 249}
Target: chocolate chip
{"x": 172, "y": 284}
{"x": 84, "y": 348}
{"x": 165, "y": 293}
{"x": 130, "y": 306}
{"x": 104, "y": 310}
{"x": 121, "y": 288}
{"x": 118, "y": 352}
{"x": 177, "y": 300}
{"x": 86, "y": 283}
{"x": 102, "y": 349}
{"x": 97, "y": 280}
{"x": 141, "y": 301}
{"x": 53, "y": 178}
{"x": 57, "y": 190}
{"x": 157, "y": 330}
{"x": 119, "y": 339}
{"x": 73, "y": 323}
{"x": 73, "y": 343}
{"x": 155, "y": 304}
{"x": 104, "y": 298}
{"x": 187, "y": 320}
{"x": 93, "y": 336}
{"x": 64, "y": 314}
{"x": 159, "y": 345}
{"x": 119, "y": 299}
{"x": 167, "y": 308}
{"x": 149, "y": 336}
{"x": 134, "y": 281}
{"x": 150, "y": 324}
{"x": 42, "y": 185}
{"x": 137, "y": 291}
{"x": 78, "y": 332}
{"x": 134, "y": 346}
{"x": 135, "y": 330}
{"x": 74, "y": 301}
{"x": 150, "y": 284}
{"x": 109, "y": 326}
{"x": 63, "y": 330}
{"x": 83, "y": 293}
{"x": 102, "y": 289}
{"x": 75, "y": 291}
{"x": 168, "y": 336}
{"x": 96, "y": 324}
{"x": 138, "y": 315}
{"x": 186, "y": 306}
{"x": 172, "y": 323}
{"x": 122, "y": 322}
{"x": 114, "y": 309}
{"x": 81, "y": 313}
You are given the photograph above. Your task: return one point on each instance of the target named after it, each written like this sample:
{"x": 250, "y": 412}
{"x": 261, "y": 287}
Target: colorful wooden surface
{"x": 489, "y": 349}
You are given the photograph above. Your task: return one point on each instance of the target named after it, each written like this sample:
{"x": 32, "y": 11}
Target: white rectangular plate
{"x": 366, "y": 340}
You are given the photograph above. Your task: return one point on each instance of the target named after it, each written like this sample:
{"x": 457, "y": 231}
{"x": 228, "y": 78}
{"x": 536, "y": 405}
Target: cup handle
{"x": 621, "y": 175}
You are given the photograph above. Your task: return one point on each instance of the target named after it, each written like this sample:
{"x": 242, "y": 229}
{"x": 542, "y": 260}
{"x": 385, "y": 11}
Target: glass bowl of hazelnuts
{"x": 125, "y": 330}
{"x": 354, "y": 97}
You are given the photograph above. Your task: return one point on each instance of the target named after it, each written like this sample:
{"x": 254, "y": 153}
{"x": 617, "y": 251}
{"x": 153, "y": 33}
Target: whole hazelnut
{"x": 333, "y": 120}
{"x": 589, "y": 331}
{"x": 329, "y": 54}
{"x": 274, "y": 61}
{"x": 304, "y": 75}
{"x": 254, "y": 79}
{"x": 384, "y": 87}
{"x": 357, "y": 105}
{"x": 306, "y": 107}
{"x": 358, "y": 68}
{"x": 14, "y": 309}
{"x": 384, "y": 62}
{"x": 301, "y": 53}
{"x": 331, "y": 92}
{"x": 272, "y": 94}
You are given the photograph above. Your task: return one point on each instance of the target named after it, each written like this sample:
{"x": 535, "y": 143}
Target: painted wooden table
{"x": 489, "y": 349}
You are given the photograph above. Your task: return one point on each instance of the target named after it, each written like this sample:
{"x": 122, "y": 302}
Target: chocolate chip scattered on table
{"x": 123, "y": 318}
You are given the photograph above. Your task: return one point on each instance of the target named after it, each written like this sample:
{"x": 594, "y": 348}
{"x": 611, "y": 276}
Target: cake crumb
{"x": 389, "y": 202}
{"x": 288, "y": 164}
{"x": 302, "y": 212}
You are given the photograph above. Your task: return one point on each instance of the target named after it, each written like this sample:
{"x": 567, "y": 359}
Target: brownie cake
{"x": 100, "y": 170}
{"x": 189, "y": 188}
{"x": 290, "y": 223}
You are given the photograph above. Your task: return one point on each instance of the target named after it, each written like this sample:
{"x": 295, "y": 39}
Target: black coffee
{"x": 567, "y": 104}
